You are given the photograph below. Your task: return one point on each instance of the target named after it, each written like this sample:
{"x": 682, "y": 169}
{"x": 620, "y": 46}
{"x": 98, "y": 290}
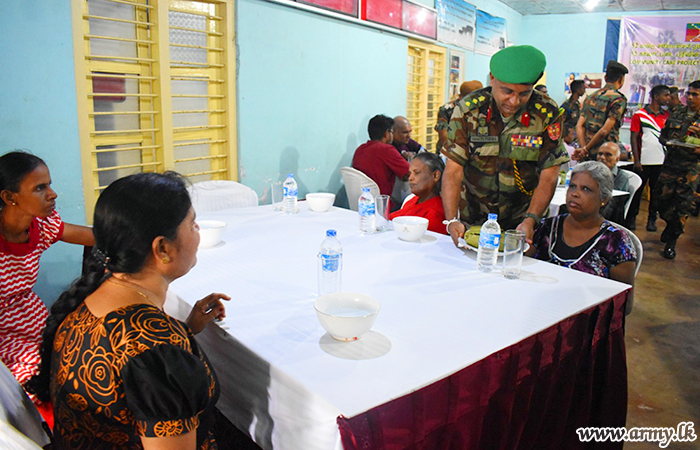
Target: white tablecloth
{"x": 284, "y": 379}
{"x": 559, "y": 198}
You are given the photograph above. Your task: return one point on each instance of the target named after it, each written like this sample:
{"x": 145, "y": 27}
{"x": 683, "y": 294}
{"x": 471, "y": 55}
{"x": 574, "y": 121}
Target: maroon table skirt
{"x": 531, "y": 395}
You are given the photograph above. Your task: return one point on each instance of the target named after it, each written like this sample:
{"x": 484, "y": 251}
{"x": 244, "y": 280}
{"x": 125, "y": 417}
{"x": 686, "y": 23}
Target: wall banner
{"x": 456, "y": 22}
{"x": 490, "y": 33}
{"x": 658, "y": 50}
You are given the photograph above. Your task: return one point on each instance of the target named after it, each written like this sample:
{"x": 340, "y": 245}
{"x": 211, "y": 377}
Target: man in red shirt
{"x": 377, "y": 158}
{"x": 648, "y": 152}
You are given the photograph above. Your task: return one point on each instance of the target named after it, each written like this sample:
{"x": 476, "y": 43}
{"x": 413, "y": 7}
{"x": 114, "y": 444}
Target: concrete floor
{"x": 663, "y": 336}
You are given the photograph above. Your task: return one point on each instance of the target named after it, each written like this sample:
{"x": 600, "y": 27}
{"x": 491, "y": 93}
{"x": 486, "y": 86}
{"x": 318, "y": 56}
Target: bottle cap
{"x": 365, "y": 189}
{"x": 493, "y": 216}
{"x": 290, "y": 175}
{"x": 330, "y": 233}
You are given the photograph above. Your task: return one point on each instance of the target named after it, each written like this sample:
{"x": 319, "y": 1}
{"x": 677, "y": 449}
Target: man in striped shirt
{"x": 648, "y": 152}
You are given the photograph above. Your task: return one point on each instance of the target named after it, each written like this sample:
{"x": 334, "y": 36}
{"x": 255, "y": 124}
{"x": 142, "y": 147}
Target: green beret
{"x": 519, "y": 64}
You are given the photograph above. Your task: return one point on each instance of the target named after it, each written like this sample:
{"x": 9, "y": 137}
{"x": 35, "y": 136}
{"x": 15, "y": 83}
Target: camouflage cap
{"x": 519, "y": 64}
{"x": 616, "y": 66}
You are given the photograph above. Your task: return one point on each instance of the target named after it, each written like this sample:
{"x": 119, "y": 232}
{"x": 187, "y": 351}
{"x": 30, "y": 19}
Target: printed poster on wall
{"x": 456, "y": 74}
{"x": 490, "y": 33}
{"x": 456, "y": 22}
{"x": 658, "y": 50}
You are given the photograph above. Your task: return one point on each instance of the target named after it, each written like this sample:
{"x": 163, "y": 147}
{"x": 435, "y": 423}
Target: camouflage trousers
{"x": 674, "y": 200}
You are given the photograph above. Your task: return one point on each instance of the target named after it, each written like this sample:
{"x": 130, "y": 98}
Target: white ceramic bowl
{"x": 320, "y": 201}
{"x": 347, "y": 316}
{"x": 410, "y": 228}
{"x": 210, "y": 232}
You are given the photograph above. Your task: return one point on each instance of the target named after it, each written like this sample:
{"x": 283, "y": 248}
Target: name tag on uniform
{"x": 519, "y": 140}
{"x": 478, "y": 138}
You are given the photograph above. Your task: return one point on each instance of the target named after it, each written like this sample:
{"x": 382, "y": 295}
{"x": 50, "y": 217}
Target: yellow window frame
{"x": 425, "y": 90}
{"x": 153, "y": 71}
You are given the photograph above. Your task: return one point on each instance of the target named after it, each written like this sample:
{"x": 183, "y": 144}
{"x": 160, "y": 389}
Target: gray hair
{"x": 599, "y": 172}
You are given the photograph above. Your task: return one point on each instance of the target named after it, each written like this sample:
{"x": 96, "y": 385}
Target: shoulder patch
{"x": 475, "y": 100}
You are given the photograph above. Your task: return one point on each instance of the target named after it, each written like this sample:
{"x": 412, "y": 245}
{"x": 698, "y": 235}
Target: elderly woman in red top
{"x": 29, "y": 224}
{"x": 424, "y": 178}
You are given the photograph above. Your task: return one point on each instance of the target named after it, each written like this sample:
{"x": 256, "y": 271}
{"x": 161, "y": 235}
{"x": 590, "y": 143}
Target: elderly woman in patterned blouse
{"x": 582, "y": 239}
{"x": 120, "y": 372}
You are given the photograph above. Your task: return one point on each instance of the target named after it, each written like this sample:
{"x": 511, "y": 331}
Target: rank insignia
{"x": 554, "y": 131}
{"x": 519, "y": 140}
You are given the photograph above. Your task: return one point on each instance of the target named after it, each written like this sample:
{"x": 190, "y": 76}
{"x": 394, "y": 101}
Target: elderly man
{"x": 609, "y": 154}
{"x": 445, "y": 111}
{"x": 377, "y": 159}
{"x": 504, "y": 148}
{"x": 407, "y": 147}
{"x": 602, "y": 113}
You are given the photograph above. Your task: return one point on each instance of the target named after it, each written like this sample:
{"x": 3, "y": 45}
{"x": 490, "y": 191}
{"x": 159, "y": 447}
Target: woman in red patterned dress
{"x": 29, "y": 224}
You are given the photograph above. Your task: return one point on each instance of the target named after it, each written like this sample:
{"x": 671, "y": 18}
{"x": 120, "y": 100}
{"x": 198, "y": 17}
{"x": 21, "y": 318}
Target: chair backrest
{"x": 635, "y": 183}
{"x": 221, "y": 194}
{"x": 18, "y": 411}
{"x": 637, "y": 243}
{"x": 408, "y": 197}
{"x": 637, "y": 246}
{"x": 354, "y": 181}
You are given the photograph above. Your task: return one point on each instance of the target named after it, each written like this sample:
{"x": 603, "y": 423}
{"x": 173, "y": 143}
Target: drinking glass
{"x": 276, "y": 195}
{"x": 513, "y": 248}
{"x": 382, "y": 208}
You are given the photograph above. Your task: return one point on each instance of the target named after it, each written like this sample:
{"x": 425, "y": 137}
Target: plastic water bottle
{"x": 568, "y": 177}
{"x": 489, "y": 240}
{"x": 330, "y": 265}
{"x": 365, "y": 206}
{"x": 289, "y": 203}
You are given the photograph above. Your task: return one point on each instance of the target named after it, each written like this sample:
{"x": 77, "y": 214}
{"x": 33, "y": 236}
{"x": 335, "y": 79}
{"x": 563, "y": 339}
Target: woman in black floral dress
{"x": 120, "y": 372}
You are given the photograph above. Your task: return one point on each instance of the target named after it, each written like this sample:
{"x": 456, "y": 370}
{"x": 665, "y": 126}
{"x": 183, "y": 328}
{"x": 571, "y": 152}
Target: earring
{"x": 14, "y": 203}
{"x": 165, "y": 260}
{"x": 602, "y": 204}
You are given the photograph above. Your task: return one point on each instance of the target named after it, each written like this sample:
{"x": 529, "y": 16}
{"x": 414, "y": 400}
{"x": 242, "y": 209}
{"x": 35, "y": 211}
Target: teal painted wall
{"x": 38, "y": 112}
{"x": 307, "y": 87}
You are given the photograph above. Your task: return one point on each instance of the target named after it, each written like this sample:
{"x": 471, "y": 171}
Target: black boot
{"x": 669, "y": 250}
{"x": 651, "y": 223}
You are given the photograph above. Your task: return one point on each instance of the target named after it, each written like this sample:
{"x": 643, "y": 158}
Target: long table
{"x": 455, "y": 355}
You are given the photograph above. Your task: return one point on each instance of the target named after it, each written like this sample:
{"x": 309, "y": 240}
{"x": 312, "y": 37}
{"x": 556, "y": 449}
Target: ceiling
{"x": 529, "y": 7}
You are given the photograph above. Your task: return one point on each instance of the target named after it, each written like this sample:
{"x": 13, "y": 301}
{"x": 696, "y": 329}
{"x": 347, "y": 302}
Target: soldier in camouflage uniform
{"x": 504, "y": 148}
{"x": 445, "y": 111}
{"x": 673, "y": 194}
{"x": 571, "y": 106}
{"x": 602, "y": 114}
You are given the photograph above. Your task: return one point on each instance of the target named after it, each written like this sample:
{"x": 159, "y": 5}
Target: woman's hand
{"x": 206, "y": 310}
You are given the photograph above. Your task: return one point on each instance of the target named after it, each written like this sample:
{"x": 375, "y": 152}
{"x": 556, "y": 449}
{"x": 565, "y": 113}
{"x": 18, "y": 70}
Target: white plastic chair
{"x": 221, "y": 194}
{"x": 637, "y": 243}
{"x": 354, "y": 181}
{"x": 408, "y": 197}
{"x": 635, "y": 182}
{"x": 19, "y": 413}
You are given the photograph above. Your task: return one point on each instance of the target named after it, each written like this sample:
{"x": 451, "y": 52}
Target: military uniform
{"x": 673, "y": 194}
{"x": 502, "y": 161}
{"x": 603, "y": 103}
{"x": 572, "y": 111}
{"x": 444, "y": 116}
